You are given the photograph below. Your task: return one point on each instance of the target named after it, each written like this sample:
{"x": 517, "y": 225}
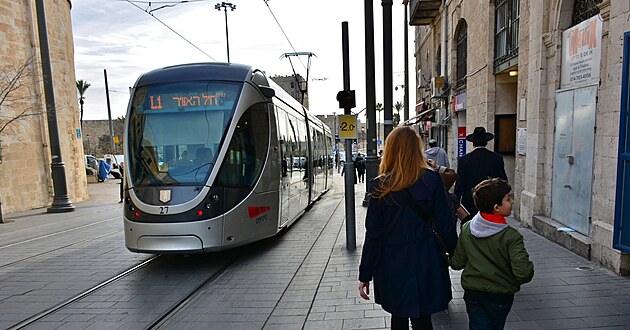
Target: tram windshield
{"x": 175, "y": 131}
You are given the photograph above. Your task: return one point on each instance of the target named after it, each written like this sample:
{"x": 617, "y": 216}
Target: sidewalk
{"x": 567, "y": 292}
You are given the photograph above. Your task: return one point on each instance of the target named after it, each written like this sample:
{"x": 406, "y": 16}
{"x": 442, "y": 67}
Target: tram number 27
{"x": 163, "y": 209}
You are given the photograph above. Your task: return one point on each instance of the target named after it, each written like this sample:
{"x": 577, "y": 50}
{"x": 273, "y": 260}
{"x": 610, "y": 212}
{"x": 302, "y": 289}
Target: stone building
{"x": 97, "y": 140}
{"x": 25, "y": 168}
{"x": 294, "y": 85}
{"x": 550, "y": 80}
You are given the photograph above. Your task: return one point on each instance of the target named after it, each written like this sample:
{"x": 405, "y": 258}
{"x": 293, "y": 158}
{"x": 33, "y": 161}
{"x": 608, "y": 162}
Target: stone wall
{"x": 25, "y": 172}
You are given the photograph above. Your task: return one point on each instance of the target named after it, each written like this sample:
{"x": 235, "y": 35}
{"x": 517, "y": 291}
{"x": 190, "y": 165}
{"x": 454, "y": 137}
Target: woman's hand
{"x": 364, "y": 290}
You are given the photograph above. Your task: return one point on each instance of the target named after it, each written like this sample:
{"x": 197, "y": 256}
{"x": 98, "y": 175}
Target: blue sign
{"x": 78, "y": 133}
{"x": 379, "y": 142}
{"x": 461, "y": 148}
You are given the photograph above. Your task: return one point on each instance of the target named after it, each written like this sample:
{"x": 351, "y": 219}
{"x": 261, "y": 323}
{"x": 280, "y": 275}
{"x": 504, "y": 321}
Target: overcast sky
{"x": 117, "y": 36}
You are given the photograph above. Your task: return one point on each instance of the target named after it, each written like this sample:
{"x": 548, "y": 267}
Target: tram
{"x": 210, "y": 150}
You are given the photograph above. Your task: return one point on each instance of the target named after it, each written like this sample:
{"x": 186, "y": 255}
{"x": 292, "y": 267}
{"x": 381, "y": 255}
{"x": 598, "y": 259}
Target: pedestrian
{"x": 360, "y": 166}
{"x": 493, "y": 257}
{"x": 476, "y": 166}
{"x": 400, "y": 252}
{"x": 437, "y": 154}
{"x": 121, "y": 168}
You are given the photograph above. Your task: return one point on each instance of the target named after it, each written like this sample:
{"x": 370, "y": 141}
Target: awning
{"x": 422, "y": 116}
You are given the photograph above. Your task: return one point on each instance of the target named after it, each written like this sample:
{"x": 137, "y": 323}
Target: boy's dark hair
{"x": 489, "y": 193}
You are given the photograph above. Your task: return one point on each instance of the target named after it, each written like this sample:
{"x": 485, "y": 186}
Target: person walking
{"x": 360, "y": 166}
{"x": 437, "y": 154}
{"x": 401, "y": 254}
{"x": 493, "y": 257}
{"x": 476, "y": 166}
{"x": 121, "y": 168}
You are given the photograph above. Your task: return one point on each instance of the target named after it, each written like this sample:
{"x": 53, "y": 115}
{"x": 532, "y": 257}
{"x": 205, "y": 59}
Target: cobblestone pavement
{"x": 307, "y": 279}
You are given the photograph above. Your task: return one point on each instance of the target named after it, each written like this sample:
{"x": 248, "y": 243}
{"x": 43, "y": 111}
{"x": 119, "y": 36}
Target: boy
{"x": 493, "y": 257}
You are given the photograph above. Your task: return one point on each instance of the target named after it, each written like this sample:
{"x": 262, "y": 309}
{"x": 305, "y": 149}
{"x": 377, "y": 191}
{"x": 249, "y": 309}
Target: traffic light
{"x": 346, "y": 99}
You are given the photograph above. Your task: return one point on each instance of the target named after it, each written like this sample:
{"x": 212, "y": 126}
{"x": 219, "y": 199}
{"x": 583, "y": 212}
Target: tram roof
{"x": 196, "y": 71}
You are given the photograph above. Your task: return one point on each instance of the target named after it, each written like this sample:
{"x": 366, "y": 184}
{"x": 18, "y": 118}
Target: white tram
{"x": 210, "y": 150}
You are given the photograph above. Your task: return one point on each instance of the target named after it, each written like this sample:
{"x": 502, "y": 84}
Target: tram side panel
{"x": 253, "y": 161}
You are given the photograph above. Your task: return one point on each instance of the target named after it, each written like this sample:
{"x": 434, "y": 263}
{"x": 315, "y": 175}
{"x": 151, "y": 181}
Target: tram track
{"x": 57, "y": 307}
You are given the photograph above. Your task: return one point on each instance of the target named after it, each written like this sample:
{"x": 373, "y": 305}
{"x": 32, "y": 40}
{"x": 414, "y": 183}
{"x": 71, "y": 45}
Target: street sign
{"x": 347, "y": 127}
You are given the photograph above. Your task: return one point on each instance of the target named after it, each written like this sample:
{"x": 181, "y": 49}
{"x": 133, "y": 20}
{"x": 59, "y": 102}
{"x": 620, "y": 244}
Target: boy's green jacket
{"x": 494, "y": 259}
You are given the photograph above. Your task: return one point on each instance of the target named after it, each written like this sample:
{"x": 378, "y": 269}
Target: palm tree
{"x": 82, "y": 86}
{"x": 398, "y": 106}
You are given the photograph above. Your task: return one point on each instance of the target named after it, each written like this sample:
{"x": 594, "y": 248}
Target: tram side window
{"x": 283, "y": 135}
{"x": 247, "y": 149}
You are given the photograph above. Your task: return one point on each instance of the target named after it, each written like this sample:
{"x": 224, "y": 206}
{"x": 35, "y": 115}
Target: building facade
{"x": 547, "y": 78}
{"x": 25, "y": 168}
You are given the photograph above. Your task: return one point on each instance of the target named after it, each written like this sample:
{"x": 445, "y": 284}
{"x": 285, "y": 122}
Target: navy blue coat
{"x": 473, "y": 168}
{"x": 401, "y": 254}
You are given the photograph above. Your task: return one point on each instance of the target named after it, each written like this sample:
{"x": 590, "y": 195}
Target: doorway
{"x": 572, "y": 177}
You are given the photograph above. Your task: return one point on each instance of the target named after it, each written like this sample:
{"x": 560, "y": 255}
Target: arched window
{"x": 462, "y": 53}
{"x": 584, "y": 9}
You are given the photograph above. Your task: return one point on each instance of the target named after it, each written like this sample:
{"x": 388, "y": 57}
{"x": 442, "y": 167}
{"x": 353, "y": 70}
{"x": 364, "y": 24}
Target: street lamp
{"x": 225, "y": 6}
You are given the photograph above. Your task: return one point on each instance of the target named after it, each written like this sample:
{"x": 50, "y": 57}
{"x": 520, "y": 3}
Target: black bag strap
{"x": 428, "y": 219}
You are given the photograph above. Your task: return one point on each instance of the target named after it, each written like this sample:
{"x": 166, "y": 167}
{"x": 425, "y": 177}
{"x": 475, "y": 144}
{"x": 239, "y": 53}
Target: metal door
{"x": 573, "y": 157}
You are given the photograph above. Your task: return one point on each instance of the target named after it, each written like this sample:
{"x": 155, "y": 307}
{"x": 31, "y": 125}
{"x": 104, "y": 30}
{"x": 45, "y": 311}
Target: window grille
{"x": 584, "y": 9}
{"x": 506, "y": 33}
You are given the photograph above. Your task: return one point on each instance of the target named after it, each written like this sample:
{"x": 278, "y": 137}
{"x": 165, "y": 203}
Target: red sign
{"x": 255, "y": 211}
{"x": 461, "y": 132}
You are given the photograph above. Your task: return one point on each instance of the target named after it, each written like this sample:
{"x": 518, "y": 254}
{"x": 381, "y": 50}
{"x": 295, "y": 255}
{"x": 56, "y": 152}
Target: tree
{"x": 398, "y": 106}
{"x": 17, "y": 99}
{"x": 82, "y": 86}
{"x": 378, "y": 108}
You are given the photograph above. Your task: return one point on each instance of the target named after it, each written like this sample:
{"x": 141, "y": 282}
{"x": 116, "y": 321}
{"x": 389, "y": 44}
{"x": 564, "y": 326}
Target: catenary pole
{"x": 351, "y": 239}
{"x": 371, "y": 162}
{"x": 109, "y": 114}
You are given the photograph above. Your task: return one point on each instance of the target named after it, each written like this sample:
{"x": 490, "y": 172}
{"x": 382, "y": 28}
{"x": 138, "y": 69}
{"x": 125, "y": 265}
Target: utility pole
{"x": 109, "y": 114}
{"x": 225, "y": 6}
{"x": 61, "y": 201}
{"x": 371, "y": 162}
{"x": 347, "y": 101}
{"x": 406, "y": 61}
{"x": 388, "y": 97}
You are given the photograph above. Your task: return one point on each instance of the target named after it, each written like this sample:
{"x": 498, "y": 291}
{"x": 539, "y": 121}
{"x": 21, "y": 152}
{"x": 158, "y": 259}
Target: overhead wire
{"x": 281, "y": 29}
{"x": 170, "y": 28}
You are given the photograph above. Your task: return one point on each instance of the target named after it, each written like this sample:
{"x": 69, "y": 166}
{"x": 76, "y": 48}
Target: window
{"x": 462, "y": 54}
{"x": 505, "y": 130}
{"x": 438, "y": 62}
{"x": 247, "y": 149}
{"x": 584, "y": 9}
{"x": 506, "y": 34}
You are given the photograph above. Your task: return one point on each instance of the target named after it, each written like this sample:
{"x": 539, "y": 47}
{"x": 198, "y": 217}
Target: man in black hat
{"x": 476, "y": 166}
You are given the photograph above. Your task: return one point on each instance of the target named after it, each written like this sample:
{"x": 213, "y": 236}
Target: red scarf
{"x": 494, "y": 218}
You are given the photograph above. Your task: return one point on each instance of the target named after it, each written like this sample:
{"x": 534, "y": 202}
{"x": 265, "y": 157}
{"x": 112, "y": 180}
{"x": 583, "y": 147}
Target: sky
{"x": 120, "y": 37}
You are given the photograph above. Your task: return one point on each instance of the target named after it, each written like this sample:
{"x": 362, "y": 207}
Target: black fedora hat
{"x": 479, "y": 135}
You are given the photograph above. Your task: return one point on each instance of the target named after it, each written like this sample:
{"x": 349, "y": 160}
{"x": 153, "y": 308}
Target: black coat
{"x": 401, "y": 254}
{"x": 472, "y": 168}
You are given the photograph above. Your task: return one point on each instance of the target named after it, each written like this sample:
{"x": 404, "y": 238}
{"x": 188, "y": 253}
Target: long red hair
{"x": 402, "y": 163}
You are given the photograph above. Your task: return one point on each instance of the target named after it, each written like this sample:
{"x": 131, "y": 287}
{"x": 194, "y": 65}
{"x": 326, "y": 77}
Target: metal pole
{"x": 351, "y": 239}
{"x": 388, "y": 84}
{"x": 227, "y": 35}
{"x": 371, "y": 162}
{"x": 406, "y": 61}
{"x": 61, "y": 201}
{"x": 109, "y": 114}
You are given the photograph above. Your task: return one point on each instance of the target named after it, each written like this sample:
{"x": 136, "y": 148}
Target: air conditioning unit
{"x": 437, "y": 86}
